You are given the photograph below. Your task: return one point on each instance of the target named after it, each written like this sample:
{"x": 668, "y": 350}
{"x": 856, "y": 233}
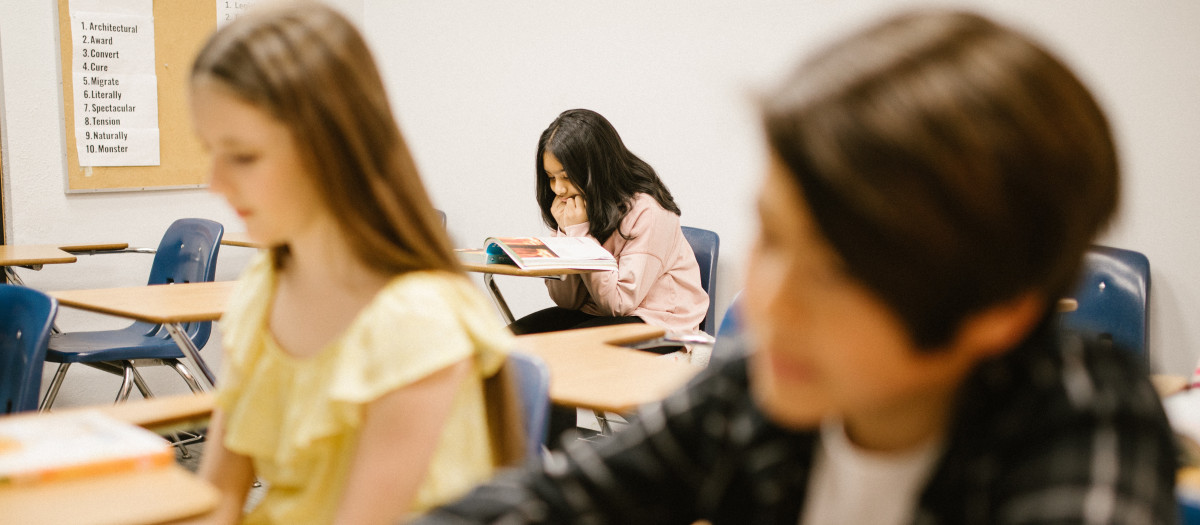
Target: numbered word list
{"x": 115, "y": 86}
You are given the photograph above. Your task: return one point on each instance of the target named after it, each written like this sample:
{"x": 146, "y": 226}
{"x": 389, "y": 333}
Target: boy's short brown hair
{"x": 951, "y": 162}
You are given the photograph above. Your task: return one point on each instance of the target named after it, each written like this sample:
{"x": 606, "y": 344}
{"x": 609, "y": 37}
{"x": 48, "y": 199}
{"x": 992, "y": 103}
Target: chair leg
{"x": 55, "y": 384}
{"x": 140, "y": 383}
{"x": 144, "y": 389}
{"x": 183, "y": 372}
{"x": 126, "y": 383}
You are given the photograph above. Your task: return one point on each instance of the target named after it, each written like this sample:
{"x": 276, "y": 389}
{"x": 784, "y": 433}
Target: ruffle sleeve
{"x": 418, "y": 324}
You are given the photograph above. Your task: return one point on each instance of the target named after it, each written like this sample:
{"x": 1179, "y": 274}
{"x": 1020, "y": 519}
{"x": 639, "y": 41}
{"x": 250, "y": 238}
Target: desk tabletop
{"x": 26, "y": 255}
{"x": 587, "y": 370}
{"x": 152, "y": 496}
{"x": 472, "y": 261}
{"x": 167, "y": 303}
{"x": 94, "y": 247}
{"x": 508, "y": 269}
{"x": 239, "y": 239}
{"x": 163, "y": 414}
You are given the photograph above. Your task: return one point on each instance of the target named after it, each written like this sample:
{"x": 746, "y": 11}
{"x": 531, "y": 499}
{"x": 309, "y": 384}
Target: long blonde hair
{"x": 309, "y": 68}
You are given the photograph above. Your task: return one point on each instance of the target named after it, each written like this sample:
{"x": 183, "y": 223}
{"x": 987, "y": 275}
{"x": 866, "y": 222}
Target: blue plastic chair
{"x": 534, "y": 380}
{"x": 26, "y": 318}
{"x": 731, "y": 324}
{"x": 707, "y": 246}
{"x": 728, "y": 344}
{"x": 186, "y": 254}
{"x": 1113, "y": 295}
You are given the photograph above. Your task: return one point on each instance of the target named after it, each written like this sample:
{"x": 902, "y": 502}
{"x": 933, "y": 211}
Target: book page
{"x": 577, "y": 248}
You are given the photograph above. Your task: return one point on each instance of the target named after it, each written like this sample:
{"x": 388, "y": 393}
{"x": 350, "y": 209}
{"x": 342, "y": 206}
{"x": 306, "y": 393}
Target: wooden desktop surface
{"x": 509, "y": 269}
{"x": 28, "y": 255}
{"x": 472, "y": 260}
{"x": 152, "y": 496}
{"x": 587, "y": 370}
{"x": 164, "y": 303}
{"x": 95, "y": 247}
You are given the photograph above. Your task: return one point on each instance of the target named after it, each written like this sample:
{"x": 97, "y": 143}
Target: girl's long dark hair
{"x": 606, "y": 173}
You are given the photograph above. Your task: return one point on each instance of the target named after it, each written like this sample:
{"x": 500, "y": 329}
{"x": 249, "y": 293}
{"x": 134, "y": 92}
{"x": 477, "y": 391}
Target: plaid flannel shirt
{"x": 1056, "y": 431}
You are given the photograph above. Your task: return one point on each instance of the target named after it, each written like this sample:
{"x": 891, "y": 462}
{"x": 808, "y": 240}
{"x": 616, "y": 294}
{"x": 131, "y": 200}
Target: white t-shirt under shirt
{"x": 853, "y": 486}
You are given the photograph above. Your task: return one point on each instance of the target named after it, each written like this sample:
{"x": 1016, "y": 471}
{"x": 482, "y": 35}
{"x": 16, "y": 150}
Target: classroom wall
{"x": 474, "y": 83}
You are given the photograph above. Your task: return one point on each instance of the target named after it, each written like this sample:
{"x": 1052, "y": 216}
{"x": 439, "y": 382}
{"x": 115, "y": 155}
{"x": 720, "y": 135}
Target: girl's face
{"x": 826, "y": 345}
{"x": 559, "y": 183}
{"x": 254, "y": 165}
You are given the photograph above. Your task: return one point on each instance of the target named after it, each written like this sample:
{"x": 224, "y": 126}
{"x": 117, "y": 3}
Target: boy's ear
{"x": 1002, "y": 326}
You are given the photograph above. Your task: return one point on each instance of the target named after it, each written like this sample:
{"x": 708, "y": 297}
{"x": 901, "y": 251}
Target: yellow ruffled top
{"x": 298, "y": 419}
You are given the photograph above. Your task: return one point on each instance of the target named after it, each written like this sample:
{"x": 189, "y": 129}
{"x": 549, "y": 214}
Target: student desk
{"x": 155, "y": 496}
{"x": 33, "y": 256}
{"x": 588, "y": 370}
{"x": 168, "y": 304}
{"x": 470, "y": 263}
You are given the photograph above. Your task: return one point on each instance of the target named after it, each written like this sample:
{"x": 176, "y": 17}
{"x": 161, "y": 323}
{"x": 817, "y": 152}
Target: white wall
{"x": 474, "y": 83}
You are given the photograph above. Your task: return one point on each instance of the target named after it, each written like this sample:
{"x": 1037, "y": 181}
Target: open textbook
{"x": 581, "y": 253}
{"x": 75, "y": 444}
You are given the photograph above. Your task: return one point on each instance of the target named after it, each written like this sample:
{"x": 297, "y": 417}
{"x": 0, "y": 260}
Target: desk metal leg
{"x": 13, "y": 278}
{"x": 498, "y": 298}
{"x": 192, "y": 353}
{"x": 602, "y": 420}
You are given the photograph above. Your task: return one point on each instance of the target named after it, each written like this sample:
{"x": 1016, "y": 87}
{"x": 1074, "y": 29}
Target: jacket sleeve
{"x": 1088, "y": 443}
{"x": 569, "y": 291}
{"x": 640, "y": 261}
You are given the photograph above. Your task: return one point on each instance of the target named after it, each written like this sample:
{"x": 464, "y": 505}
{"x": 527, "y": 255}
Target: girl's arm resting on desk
{"x": 400, "y": 433}
{"x": 640, "y": 259}
{"x": 620, "y": 292}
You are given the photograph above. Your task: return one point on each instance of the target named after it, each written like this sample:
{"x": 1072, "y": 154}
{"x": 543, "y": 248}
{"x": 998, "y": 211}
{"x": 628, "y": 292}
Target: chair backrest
{"x": 731, "y": 324}
{"x": 26, "y": 317}
{"x": 1113, "y": 295}
{"x": 707, "y": 246}
{"x": 534, "y": 380}
{"x": 729, "y": 337}
{"x": 188, "y": 254}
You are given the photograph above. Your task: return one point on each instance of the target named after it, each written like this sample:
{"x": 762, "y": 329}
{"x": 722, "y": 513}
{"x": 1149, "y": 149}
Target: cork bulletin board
{"x": 180, "y": 29}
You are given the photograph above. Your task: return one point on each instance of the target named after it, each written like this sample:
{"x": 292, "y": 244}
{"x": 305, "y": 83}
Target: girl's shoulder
{"x": 436, "y": 296}
{"x": 644, "y": 209}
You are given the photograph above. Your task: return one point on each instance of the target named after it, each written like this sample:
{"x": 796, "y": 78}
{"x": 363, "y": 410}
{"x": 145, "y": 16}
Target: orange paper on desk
{"x": 35, "y": 449}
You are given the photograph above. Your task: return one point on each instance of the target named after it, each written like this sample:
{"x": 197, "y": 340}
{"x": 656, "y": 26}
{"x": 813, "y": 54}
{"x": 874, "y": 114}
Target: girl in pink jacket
{"x": 589, "y": 184}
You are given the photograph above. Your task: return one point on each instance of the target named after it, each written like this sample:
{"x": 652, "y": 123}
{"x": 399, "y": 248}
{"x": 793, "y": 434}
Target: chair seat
{"x": 136, "y": 341}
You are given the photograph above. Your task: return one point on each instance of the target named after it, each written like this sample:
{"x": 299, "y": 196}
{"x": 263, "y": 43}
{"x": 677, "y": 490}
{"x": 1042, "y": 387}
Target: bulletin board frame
{"x": 180, "y": 30}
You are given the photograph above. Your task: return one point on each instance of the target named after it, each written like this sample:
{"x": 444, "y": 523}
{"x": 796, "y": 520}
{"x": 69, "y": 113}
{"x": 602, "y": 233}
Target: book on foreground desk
{"x": 76, "y": 444}
{"x": 579, "y": 253}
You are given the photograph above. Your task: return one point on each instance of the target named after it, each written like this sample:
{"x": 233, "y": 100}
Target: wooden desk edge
{"x": 31, "y": 255}
{"x": 151, "y": 414}
{"x": 163, "y": 494}
{"x": 71, "y": 298}
{"x": 508, "y": 269}
{"x": 104, "y": 247}
{"x": 544, "y": 344}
